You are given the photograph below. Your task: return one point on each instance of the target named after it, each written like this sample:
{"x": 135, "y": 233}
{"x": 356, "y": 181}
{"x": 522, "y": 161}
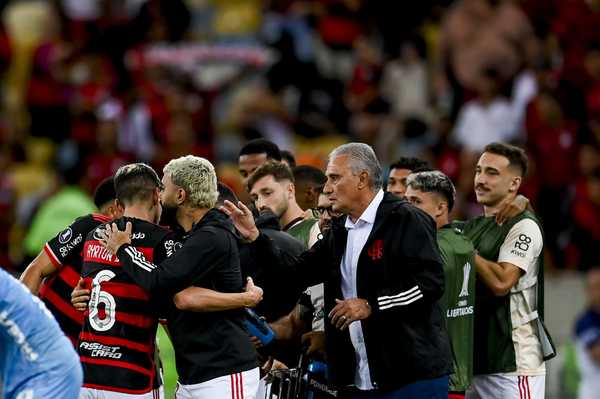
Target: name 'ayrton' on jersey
{"x": 117, "y": 342}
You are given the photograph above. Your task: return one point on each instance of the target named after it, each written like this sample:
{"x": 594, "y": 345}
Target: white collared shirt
{"x": 358, "y": 233}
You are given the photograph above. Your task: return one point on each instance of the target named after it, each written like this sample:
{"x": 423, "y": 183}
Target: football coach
{"x": 383, "y": 277}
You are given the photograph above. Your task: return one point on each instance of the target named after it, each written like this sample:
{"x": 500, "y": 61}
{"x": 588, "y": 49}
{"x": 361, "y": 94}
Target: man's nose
{"x": 327, "y": 188}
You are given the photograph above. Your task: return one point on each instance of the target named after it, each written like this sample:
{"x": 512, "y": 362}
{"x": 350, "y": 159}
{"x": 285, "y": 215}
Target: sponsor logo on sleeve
{"x": 65, "y": 236}
{"x": 521, "y": 245}
{"x": 68, "y": 247}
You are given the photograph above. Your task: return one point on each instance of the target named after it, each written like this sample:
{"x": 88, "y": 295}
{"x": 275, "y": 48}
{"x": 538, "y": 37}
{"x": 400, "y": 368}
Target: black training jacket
{"x": 400, "y": 274}
{"x": 207, "y": 345}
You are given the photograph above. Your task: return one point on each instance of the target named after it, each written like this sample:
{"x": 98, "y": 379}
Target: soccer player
{"x": 255, "y": 153}
{"x": 214, "y": 355}
{"x": 309, "y": 182}
{"x": 117, "y": 341}
{"x": 60, "y": 261}
{"x": 399, "y": 170}
{"x": 37, "y": 361}
{"x": 511, "y": 342}
{"x": 271, "y": 186}
{"x": 434, "y": 193}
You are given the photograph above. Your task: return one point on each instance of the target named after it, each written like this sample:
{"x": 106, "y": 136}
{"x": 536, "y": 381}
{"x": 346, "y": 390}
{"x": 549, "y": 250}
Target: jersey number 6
{"x": 98, "y": 297}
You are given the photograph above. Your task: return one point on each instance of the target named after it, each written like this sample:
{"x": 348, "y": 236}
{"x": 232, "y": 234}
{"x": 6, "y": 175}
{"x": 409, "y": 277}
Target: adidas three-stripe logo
{"x": 402, "y": 299}
{"x": 138, "y": 258}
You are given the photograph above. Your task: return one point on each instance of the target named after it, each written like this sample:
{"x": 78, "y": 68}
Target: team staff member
{"x": 214, "y": 355}
{"x": 434, "y": 193}
{"x": 60, "y": 261}
{"x": 383, "y": 279}
{"x": 511, "y": 343}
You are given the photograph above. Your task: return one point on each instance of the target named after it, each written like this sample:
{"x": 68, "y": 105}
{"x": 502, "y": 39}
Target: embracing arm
{"x": 38, "y": 269}
{"x": 198, "y": 299}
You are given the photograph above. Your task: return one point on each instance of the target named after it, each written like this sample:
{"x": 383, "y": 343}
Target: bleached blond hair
{"x": 197, "y": 177}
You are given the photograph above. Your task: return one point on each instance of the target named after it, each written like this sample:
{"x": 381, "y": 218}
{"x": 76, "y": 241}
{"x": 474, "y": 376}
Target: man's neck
{"x": 492, "y": 210}
{"x": 293, "y": 212}
{"x": 441, "y": 221}
{"x": 139, "y": 211}
{"x": 187, "y": 216}
{"x": 361, "y": 205}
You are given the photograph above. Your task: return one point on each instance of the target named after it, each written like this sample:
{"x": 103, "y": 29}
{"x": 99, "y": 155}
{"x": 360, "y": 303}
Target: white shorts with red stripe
{"x": 89, "y": 393}
{"x": 242, "y": 385}
{"x": 502, "y": 386}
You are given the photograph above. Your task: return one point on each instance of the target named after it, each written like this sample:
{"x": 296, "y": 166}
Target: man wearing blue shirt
{"x": 36, "y": 359}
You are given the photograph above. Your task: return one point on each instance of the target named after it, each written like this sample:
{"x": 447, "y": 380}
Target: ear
{"x": 181, "y": 196}
{"x": 441, "y": 208}
{"x": 291, "y": 189}
{"x": 363, "y": 180}
{"x": 156, "y": 197}
{"x": 515, "y": 183}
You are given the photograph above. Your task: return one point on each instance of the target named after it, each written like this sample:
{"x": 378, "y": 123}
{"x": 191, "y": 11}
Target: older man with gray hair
{"x": 383, "y": 278}
{"x": 214, "y": 355}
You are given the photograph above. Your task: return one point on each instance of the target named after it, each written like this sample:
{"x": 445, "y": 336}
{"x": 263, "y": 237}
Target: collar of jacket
{"x": 389, "y": 205}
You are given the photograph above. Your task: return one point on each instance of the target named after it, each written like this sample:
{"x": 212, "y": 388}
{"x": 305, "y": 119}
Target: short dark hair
{"x": 135, "y": 182}
{"x": 309, "y": 174}
{"x": 278, "y": 170}
{"x": 105, "y": 192}
{"x": 410, "y": 163}
{"x": 225, "y": 194}
{"x": 289, "y": 158}
{"x": 433, "y": 181}
{"x": 262, "y": 146}
{"x": 516, "y": 156}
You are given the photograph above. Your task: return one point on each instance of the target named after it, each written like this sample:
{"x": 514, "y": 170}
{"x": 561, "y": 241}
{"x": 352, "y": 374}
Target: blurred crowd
{"x": 89, "y": 85}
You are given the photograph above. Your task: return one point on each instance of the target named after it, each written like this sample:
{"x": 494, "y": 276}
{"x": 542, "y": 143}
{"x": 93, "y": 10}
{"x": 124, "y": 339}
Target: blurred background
{"x": 89, "y": 85}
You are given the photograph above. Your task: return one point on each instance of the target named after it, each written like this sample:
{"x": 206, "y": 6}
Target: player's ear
{"x": 515, "y": 183}
{"x": 441, "y": 208}
{"x": 181, "y": 196}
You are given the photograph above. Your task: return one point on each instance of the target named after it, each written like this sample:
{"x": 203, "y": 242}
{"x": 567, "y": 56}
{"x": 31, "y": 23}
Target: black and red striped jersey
{"x": 117, "y": 342}
{"x": 64, "y": 250}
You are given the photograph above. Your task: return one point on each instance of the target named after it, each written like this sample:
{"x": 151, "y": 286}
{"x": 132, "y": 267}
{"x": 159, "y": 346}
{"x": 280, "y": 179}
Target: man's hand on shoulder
{"x": 114, "y": 238}
{"x": 514, "y": 208}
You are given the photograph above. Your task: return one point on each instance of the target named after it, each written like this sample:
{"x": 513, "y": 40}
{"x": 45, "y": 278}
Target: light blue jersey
{"x": 36, "y": 358}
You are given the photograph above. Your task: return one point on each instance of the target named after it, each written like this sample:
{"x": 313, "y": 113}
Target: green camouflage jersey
{"x": 458, "y": 302}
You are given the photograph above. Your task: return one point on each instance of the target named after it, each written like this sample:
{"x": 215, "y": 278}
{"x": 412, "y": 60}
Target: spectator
{"x": 488, "y": 118}
{"x": 587, "y": 339}
{"x": 586, "y": 221}
{"x": 498, "y": 34}
{"x": 404, "y": 83}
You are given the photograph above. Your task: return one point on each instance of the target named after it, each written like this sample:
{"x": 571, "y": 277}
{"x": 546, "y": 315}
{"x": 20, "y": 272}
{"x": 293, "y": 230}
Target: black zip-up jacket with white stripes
{"x": 207, "y": 345}
{"x": 400, "y": 273}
